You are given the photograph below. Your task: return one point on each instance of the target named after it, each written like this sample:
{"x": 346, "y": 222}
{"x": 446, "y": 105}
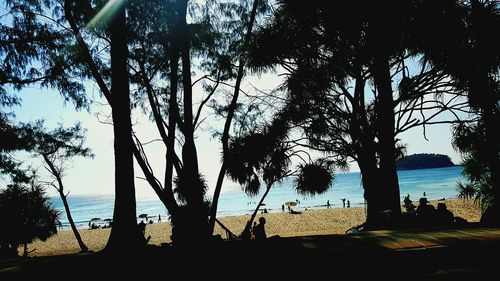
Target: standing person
{"x": 159, "y": 217}
{"x": 259, "y": 230}
{"x": 283, "y": 207}
{"x": 328, "y": 204}
{"x": 348, "y": 204}
{"x": 343, "y": 202}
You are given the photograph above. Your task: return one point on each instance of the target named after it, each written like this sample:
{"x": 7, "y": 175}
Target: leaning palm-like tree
{"x": 267, "y": 155}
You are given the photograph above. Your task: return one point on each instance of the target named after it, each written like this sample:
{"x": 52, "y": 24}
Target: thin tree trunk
{"x": 82, "y": 245}
{"x": 125, "y": 234}
{"x": 56, "y": 174}
{"x": 227, "y": 125}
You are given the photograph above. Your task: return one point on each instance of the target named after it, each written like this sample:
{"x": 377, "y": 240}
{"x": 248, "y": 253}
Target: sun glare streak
{"x": 105, "y": 15}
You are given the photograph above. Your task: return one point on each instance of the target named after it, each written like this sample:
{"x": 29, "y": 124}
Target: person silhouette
{"x": 159, "y": 217}
{"x": 142, "y": 229}
{"x": 328, "y": 204}
{"x": 443, "y": 215}
{"x": 259, "y": 230}
{"x": 424, "y": 211}
{"x": 348, "y": 204}
{"x": 343, "y": 202}
{"x": 283, "y": 208}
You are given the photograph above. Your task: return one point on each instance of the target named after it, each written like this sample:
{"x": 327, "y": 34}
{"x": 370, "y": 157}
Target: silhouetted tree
{"x": 15, "y": 137}
{"x": 57, "y": 147}
{"x": 216, "y": 36}
{"x": 124, "y": 234}
{"x": 229, "y": 118}
{"x": 334, "y": 52}
{"x": 469, "y": 139}
{"x": 30, "y": 216}
{"x": 470, "y": 55}
{"x": 267, "y": 153}
{"x": 29, "y": 54}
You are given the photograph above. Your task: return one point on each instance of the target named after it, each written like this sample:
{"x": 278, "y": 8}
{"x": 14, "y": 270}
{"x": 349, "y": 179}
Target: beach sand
{"x": 284, "y": 224}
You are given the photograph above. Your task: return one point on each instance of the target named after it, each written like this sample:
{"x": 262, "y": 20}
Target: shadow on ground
{"x": 465, "y": 253}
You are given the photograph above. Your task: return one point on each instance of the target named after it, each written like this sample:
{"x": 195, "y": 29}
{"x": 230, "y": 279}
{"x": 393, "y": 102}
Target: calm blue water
{"x": 436, "y": 183}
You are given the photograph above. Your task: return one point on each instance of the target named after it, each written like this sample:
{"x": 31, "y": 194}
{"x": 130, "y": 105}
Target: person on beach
{"x": 259, "y": 230}
{"x": 443, "y": 215}
{"x": 159, "y": 217}
{"x": 142, "y": 229}
{"x": 424, "y": 212}
{"x": 283, "y": 207}
{"x": 328, "y": 204}
{"x": 343, "y": 202}
{"x": 348, "y": 204}
{"x": 247, "y": 232}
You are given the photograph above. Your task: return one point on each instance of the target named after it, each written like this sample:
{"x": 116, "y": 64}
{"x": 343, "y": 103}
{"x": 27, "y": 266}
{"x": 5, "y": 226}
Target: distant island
{"x": 424, "y": 161}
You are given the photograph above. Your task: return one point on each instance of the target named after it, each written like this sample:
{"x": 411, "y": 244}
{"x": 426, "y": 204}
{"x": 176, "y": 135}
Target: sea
{"x": 436, "y": 183}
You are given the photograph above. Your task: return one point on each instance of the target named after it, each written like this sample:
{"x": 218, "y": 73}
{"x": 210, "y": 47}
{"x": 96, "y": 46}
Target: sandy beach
{"x": 309, "y": 222}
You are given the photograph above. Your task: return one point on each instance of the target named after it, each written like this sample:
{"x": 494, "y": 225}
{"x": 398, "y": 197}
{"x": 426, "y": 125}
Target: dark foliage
{"x": 313, "y": 179}
{"x": 28, "y": 215}
{"x": 469, "y": 139}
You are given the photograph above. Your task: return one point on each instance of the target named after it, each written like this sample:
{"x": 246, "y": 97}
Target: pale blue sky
{"x": 96, "y": 176}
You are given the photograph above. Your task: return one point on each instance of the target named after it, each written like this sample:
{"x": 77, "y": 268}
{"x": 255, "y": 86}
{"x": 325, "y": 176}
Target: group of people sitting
{"x": 426, "y": 214}
{"x": 256, "y": 232}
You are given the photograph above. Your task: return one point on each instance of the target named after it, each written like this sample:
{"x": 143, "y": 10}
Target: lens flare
{"x": 107, "y": 12}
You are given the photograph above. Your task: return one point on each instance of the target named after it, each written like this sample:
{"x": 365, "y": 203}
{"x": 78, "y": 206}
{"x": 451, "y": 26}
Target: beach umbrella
{"x": 291, "y": 203}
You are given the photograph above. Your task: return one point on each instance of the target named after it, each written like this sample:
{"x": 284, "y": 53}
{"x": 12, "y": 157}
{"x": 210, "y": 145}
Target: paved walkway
{"x": 429, "y": 238}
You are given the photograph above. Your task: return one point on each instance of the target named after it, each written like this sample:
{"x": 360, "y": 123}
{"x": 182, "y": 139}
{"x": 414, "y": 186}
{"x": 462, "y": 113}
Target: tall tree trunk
{"x": 190, "y": 177}
{"x": 125, "y": 234}
{"x": 365, "y": 149}
{"x": 388, "y": 191}
{"x": 60, "y": 189}
{"x": 227, "y": 125}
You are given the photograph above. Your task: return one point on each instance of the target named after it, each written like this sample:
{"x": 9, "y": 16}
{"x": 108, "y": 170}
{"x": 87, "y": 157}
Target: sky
{"x": 96, "y": 176}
